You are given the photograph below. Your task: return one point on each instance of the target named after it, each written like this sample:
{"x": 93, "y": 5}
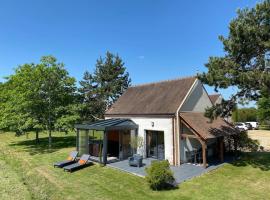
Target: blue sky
{"x": 158, "y": 40}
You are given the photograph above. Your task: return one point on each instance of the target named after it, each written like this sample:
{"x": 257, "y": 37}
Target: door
{"x": 155, "y": 144}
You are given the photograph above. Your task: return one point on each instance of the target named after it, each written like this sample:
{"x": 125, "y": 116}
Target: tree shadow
{"x": 43, "y": 146}
{"x": 259, "y": 160}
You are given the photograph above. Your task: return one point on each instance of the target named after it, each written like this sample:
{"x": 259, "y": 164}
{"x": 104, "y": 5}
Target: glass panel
{"x": 155, "y": 141}
{"x": 83, "y": 142}
{"x": 95, "y": 143}
{"x": 160, "y": 145}
{"x": 125, "y": 147}
{"x": 153, "y": 144}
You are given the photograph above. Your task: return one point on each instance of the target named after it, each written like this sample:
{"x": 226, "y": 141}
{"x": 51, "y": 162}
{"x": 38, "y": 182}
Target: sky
{"x": 157, "y": 39}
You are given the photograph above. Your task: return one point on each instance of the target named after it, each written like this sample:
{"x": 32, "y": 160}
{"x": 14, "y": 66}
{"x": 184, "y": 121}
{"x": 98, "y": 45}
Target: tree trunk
{"x": 50, "y": 138}
{"x": 37, "y": 137}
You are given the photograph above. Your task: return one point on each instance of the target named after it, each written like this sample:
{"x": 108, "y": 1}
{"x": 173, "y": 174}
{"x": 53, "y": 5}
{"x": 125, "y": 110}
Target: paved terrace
{"x": 181, "y": 173}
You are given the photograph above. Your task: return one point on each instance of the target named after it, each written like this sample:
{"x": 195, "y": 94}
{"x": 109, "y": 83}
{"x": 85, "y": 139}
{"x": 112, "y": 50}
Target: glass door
{"x": 155, "y": 144}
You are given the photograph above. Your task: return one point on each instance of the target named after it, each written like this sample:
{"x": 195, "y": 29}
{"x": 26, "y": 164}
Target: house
{"x": 215, "y": 98}
{"x": 168, "y": 115}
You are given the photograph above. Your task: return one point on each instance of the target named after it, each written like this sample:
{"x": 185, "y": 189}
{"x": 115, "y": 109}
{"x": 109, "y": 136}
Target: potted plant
{"x": 136, "y": 142}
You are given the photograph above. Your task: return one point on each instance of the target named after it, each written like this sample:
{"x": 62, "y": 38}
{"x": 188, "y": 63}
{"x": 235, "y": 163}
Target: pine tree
{"x": 246, "y": 61}
{"x": 102, "y": 88}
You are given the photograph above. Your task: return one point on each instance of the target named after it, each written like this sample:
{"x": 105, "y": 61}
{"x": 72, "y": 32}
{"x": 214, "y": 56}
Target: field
{"x": 262, "y": 136}
{"x": 26, "y": 172}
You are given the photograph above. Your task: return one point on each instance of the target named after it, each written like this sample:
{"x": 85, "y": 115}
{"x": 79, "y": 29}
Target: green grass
{"x": 26, "y": 172}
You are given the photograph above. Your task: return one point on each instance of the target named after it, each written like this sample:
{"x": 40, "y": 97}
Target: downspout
{"x": 177, "y": 116}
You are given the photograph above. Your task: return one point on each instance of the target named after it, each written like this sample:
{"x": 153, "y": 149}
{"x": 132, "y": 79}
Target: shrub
{"x": 159, "y": 175}
{"x": 245, "y": 143}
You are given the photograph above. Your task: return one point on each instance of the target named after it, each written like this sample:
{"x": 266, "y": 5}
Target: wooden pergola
{"x": 203, "y": 142}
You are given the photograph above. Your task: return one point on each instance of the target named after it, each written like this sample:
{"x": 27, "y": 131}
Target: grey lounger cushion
{"x": 63, "y": 163}
{"x": 77, "y": 165}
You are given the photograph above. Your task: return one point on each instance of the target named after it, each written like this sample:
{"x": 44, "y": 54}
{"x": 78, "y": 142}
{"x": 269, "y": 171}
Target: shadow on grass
{"x": 43, "y": 146}
{"x": 259, "y": 160}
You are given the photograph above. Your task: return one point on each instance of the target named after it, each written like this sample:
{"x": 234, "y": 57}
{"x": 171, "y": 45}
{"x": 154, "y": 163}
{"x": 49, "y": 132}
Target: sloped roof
{"x": 207, "y": 129}
{"x": 214, "y": 97}
{"x": 108, "y": 124}
{"x": 154, "y": 98}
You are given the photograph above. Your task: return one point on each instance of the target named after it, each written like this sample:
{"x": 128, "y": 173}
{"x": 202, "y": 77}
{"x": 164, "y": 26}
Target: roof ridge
{"x": 163, "y": 81}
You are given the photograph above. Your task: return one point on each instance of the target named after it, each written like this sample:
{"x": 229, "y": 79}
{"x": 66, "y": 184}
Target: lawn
{"x": 26, "y": 172}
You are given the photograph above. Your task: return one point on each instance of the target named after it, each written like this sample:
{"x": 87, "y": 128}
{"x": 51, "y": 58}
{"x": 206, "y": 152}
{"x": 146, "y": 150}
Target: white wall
{"x": 197, "y": 100}
{"x": 160, "y": 124}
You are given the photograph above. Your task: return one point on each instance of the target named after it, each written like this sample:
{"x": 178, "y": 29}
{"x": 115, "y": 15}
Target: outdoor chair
{"x": 135, "y": 160}
{"x": 70, "y": 160}
{"x": 83, "y": 162}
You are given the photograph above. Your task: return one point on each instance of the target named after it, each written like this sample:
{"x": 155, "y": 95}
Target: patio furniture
{"x": 135, "y": 160}
{"x": 83, "y": 162}
{"x": 70, "y": 160}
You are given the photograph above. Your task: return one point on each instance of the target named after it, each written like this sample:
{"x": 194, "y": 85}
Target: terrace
{"x": 181, "y": 173}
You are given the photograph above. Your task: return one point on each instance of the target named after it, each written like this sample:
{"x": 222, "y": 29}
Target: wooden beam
{"x": 192, "y": 130}
{"x": 204, "y": 147}
{"x": 189, "y": 136}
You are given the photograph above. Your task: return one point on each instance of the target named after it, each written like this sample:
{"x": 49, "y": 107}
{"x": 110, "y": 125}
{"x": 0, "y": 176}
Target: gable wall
{"x": 198, "y": 99}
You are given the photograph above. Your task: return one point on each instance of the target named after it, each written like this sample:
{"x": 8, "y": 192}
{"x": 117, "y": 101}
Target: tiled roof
{"x": 205, "y": 128}
{"x": 154, "y": 98}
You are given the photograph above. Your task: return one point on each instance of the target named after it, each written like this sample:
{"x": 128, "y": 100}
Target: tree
{"x": 93, "y": 104}
{"x": 55, "y": 91}
{"x": 244, "y": 114}
{"x": 69, "y": 116}
{"x": 264, "y": 109}
{"x": 102, "y": 88}
{"x": 15, "y": 115}
{"x": 36, "y": 96}
{"x": 111, "y": 78}
{"x": 246, "y": 60}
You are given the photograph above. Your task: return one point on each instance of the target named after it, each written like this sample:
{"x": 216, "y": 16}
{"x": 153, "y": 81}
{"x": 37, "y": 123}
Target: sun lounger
{"x": 70, "y": 160}
{"x": 83, "y": 162}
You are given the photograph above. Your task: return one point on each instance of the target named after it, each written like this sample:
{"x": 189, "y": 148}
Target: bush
{"x": 245, "y": 143}
{"x": 159, "y": 175}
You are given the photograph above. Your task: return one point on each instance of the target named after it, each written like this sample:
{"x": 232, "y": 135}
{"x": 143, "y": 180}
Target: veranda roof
{"x": 207, "y": 129}
{"x": 108, "y": 124}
